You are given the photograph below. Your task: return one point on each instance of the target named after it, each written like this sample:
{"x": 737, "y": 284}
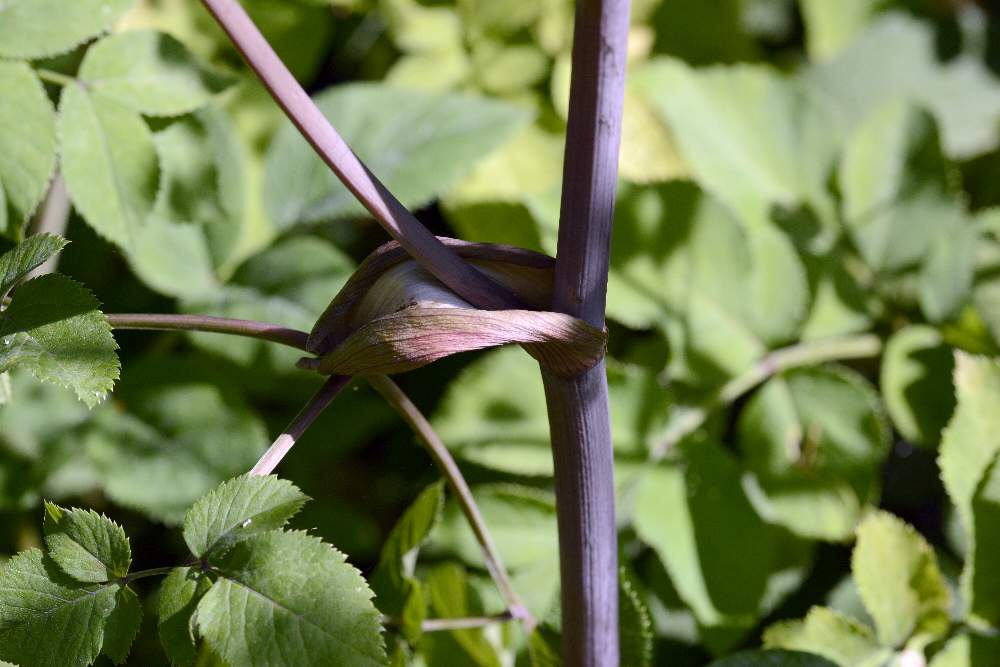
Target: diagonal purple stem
{"x": 423, "y": 246}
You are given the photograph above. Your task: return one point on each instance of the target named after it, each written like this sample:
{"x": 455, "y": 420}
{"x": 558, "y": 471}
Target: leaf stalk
{"x": 395, "y": 396}
{"x": 807, "y": 353}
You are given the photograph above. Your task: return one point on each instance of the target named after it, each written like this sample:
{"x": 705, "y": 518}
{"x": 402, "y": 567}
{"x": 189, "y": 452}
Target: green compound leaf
{"x": 899, "y": 581}
{"x": 814, "y": 440}
{"x": 46, "y": 618}
{"x": 419, "y": 144}
{"x": 122, "y": 626}
{"x": 896, "y": 58}
{"x": 27, "y": 140}
{"x": 288, "y": 598}
{"x": 88, "y": 546}
{"x": 180, "y": 594}
{"x": 149, "y": 72}
{"x": 109, "y": 162}
{"x": 751, "y": 137}
{"x": 721, "y": 287}
{"x": 968, "y": 455}
{"x": 896, "y": 184}
{"x": 239, "y": 509}
{"x": 54, "y": 329}
{"x": 773, "y": 659}
{"x": 397, "y": 592}
{"x": 210, "y": 176}
{"x": 829, "y": 634}
{"x": 38, "y": 28}
{"x": 916, "y": 369}
{"x": 29, "y": 254}
{"x": 717, "y": 550}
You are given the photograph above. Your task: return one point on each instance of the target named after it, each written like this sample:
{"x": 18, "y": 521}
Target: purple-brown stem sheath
{"x": 445, "y": 265}
{"x": 579, "y": 416}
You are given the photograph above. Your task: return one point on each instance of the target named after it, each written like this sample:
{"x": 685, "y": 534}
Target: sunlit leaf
{"x": 86, "y": 545}
{"x": 896, "y": 58}
{"x": 830, "y": 26}
{"x": 27, "y": 137}
{"x": 261, "y": 612}
{"x": 773, "y": 659}
{"x": 40, "y": 28}
{"x": 29, "y": 254}
{"x": 419, "y": 145}
{"x": 899, "y": 581}
{"x": 54, "y": 329}
{"x": 239, "y": 509}
{"x": 831, "y": 635}
{"x": 149, "y": 72}
{"x": 110, "y": 164}
{"x": 968, "y": 456}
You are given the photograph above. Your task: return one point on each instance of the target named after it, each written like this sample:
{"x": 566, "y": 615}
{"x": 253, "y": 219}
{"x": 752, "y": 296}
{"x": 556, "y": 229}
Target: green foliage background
{"x": 804, "y": 315}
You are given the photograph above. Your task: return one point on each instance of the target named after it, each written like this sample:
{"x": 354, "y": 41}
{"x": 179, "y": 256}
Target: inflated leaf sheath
{"x": 393, "y": 316}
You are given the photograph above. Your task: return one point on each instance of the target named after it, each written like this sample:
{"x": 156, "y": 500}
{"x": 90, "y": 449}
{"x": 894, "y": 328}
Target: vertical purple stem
{"x": 579, "y": 417}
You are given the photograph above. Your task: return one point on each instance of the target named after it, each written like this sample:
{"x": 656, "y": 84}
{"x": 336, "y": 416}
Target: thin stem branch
{"x": 299, "y": 424}
{"x": 579, "y": 415}
{"x": 207, "y": 323}
{"x": 395, "y": 396}
{"x": 802, "y": 354}
{"x": 52, "y": 218}
{"x": 142, "y": 574}
{"x": 464, "y": 623}
{"x": 334, "y": 384}
{"x": 54, "y": 77}
{"x": 423, "y": 246}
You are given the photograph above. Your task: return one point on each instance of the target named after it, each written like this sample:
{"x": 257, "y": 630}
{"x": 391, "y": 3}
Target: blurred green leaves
{"x": 779, "y": 189}
{"x": 39, "y": 28}
{"x": 814, "y": 439}
{"x": 25, "y": 166}
{"x": 900, "y": 585}
{"x": 378, "y": 122}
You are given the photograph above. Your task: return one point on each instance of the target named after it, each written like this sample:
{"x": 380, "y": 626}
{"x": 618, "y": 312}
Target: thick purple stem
{"x": 423, "y": 246}
{"x": 579, "y": 417}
